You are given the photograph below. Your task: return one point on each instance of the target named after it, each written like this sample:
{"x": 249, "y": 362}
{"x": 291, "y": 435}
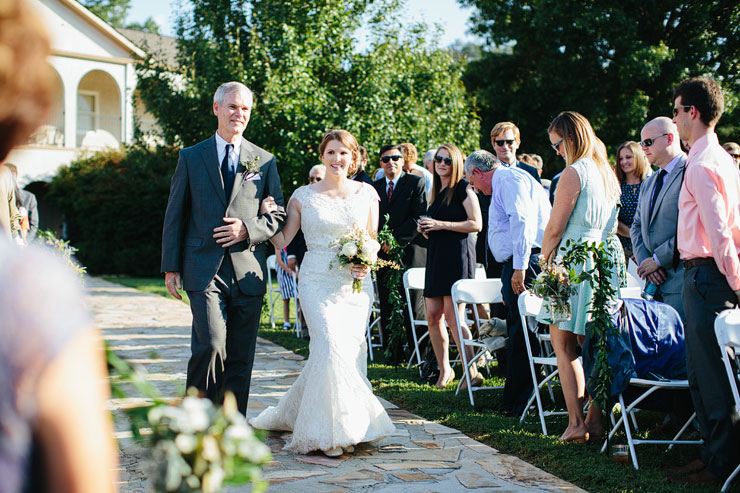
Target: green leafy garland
{"x": 394, "y": 328}
{"x": 601, "y": 325}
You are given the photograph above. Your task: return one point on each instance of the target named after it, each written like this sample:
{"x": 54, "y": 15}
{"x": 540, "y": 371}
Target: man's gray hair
{"x": 316, "y": 167}
{"x": 228, "y": 88}
{"x": 481, "y": 160}
{"x": 429, "y": 155}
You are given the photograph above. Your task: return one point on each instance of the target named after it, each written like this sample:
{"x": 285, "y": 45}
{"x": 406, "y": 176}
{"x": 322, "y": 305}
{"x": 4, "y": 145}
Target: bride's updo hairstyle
{"x": 348, "y": 140}
{"x": 579, "y": 141}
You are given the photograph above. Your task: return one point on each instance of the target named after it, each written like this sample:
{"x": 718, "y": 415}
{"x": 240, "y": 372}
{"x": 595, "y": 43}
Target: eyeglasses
{"x": 734, "y": 156}
{"x": 556, "y": 146}
{"x": 675, "y": 110}
{"x": 502, "y": 142}
{"x": 312, "y": 179}
{"x": 649, "y": 142}
{"x": 441, "y": 159}
{"x": 386, "y": 159}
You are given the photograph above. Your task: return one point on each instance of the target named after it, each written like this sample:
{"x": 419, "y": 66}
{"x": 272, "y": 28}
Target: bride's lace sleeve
{"x": 369, "y": 192}
{"x": 300, "y": 194}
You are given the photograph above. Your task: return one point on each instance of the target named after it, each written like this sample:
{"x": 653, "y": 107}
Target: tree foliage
{"x": 115, "y": 12}
{"x": 302, "y": 62}
{"x": 615, "y": 62}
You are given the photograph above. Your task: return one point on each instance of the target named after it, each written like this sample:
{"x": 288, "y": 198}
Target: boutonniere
{"x": 252, "y": 167}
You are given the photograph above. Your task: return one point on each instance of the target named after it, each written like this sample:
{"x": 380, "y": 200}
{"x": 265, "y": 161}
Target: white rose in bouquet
{"x": 372, "y": 247}
{"x": 349, "y": 249}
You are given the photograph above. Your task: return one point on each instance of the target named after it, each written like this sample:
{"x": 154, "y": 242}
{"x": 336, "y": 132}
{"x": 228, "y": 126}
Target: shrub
{"x": 114, "y": 204}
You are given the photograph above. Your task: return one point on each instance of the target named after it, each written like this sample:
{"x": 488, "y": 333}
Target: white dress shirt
{"x": 221, "y": 150}
{"x": 517, "y": 216}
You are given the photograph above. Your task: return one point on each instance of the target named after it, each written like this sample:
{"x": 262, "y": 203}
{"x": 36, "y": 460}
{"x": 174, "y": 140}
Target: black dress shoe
{"x": 703, "y": 477}
{"x": 695, "y": 465}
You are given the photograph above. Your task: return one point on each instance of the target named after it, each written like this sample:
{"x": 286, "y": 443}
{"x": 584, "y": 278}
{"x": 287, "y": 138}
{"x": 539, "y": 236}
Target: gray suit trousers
{"x": 224, "y": 332}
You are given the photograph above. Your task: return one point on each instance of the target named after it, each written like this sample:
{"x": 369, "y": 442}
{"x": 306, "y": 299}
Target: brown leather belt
{"x": 687, "y": 264}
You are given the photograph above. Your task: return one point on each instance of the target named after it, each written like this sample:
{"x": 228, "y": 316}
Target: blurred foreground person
{"x": 56, "y": 434}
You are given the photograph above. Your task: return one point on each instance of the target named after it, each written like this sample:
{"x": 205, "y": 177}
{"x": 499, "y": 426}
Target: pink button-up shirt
{"x": 709, "y": 208}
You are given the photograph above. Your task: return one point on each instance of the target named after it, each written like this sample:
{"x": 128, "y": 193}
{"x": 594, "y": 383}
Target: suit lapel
{"x": 400, "y": 184}
{"x": 209, "y": 155}
{"x": 246, "y": 155}
{"x": 667, "y": 184}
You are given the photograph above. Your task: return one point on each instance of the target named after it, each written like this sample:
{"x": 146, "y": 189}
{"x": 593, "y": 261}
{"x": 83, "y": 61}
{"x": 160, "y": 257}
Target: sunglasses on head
{"x": 734, "y": 156}
{"x": 649, "y": 142}
{"x": 502, "y": 142}
{"x": 386, "y": 159}
{"x": 441, "y": 159}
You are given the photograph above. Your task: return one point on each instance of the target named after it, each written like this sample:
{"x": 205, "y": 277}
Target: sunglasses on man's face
{"x": 386, "y": 159}
{"x": 441, "y": 159}
{"x": 503, "y": 142}
{"x": 675, "y": 110}
{"x": 649, "y": 142}
{"x": 314, "y": 178}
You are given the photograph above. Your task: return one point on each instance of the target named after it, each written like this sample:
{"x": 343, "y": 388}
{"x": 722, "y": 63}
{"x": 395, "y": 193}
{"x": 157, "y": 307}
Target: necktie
{"x": 390, "y": 190}
{"x": 227, "y": 172}
{"x": 658, "y": 187}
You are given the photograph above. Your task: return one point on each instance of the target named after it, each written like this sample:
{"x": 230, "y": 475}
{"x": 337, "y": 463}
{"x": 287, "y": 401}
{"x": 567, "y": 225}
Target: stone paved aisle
{"x": 421, "y": 455}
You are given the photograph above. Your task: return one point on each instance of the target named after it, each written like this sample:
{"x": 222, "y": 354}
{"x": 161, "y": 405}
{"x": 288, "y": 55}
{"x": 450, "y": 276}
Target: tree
{"x": 115, "y": 12}
{"x": 615, "y": 62}
{"x": 301, "y": 60}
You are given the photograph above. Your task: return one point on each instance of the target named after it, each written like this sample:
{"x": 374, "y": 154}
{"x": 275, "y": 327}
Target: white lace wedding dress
{"x": 331, "y": 403}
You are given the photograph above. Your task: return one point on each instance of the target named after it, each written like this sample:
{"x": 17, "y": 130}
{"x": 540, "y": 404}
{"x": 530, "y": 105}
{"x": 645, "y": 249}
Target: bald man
{"x": 653, "y": 229}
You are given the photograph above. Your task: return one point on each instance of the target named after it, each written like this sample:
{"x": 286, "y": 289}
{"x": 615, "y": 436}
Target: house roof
{"x": 163, "y": 48}
{"x": 103, "y": 27}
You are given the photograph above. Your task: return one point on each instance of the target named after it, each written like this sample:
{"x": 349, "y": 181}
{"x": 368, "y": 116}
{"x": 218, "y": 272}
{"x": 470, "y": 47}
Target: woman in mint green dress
{"x": 585, "y": 209}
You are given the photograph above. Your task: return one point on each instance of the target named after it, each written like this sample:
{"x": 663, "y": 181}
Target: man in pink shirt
{"x": 709, "y": 244}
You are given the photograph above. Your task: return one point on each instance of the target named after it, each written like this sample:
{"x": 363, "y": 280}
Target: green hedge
{"x": 114, "y": 204}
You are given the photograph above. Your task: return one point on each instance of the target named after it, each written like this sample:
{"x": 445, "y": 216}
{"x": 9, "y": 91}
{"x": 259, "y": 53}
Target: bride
{"x": 330, "y": 407}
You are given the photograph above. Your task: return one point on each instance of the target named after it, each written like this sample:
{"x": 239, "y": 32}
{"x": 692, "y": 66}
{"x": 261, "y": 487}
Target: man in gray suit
{"x": 653, "y": 229}
{"x": 213, "y": 245}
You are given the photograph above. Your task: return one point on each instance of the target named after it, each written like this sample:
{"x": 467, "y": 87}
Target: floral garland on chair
{"x": 396, "y": 335}
{"x": 601, "y": 326}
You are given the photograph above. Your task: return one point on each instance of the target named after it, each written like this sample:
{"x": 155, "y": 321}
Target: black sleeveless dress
{"x": 449, "y": 257}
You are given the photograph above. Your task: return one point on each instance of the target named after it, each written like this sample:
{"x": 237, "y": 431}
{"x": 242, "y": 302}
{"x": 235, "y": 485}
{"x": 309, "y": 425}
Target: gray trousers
{"x": 224, "y": 333}
{"x": 705, "y": 294}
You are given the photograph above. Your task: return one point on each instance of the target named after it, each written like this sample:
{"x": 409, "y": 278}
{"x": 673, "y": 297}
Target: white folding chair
{"x": 628, "y": 413}
{"x": 529, "y": 306}
{"x": 273, "y": 295}
{"x": 413, "y": 278}
{"x": 727, "y": 329}
{"x": 474, "y": 292}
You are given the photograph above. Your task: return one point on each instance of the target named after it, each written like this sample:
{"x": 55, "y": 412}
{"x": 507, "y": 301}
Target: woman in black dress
{"x": 454, "y": 212}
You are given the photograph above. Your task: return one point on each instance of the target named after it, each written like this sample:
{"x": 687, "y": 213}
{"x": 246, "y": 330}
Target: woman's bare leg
{"x": 438, "y": 337}
{"x": 572, "y": 381}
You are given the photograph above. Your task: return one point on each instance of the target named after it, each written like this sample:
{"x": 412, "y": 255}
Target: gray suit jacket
{"x": 657, "y": 234}
{"x": 197, "y": 205}
{"x": 29, "y": 202}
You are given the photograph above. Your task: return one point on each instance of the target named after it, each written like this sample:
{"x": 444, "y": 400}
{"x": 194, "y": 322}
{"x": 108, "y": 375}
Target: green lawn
{"x": 582, "y": 465}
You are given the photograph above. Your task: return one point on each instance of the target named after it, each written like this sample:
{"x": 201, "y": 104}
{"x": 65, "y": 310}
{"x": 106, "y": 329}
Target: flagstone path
{"x": 421, "y": 455}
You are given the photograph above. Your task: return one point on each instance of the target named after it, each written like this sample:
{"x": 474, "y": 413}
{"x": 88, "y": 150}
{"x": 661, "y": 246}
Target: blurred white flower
{"x": 186, "y": 443}
{"x": 211, "y": 451}
{"x": 349, "y": 249}
{"x": 196, "y": 414}
{"x": 212, "y": 480}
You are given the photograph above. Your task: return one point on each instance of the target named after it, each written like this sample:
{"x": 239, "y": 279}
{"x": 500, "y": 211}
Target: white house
{"x": 95, "y": 83}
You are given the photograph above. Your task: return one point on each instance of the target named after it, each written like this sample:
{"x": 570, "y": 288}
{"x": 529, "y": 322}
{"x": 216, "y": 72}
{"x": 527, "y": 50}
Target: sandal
{"x": 333, "y": 452}
{"x": 474, "y": 382}
{"x": 287, "y": 326}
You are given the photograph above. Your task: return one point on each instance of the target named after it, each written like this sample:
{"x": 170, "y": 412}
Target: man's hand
{"x": 291, "y": 263}
{"x": 172, "y": 282}
{"x": 232, "y": 233}
{"x": 517, "y": 282}
{"x": 268, "y": 205}
{"x": 648, "y": 266}
{"x": 658, "y": 277}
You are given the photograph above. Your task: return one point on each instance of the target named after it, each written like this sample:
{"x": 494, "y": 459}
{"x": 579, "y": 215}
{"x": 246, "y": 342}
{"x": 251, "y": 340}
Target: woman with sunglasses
{"x": 585, "y": 209}
{"x": 632, "y": 169}
{"x": 453, "y": 214}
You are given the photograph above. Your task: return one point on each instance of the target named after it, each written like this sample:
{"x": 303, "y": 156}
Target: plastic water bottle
{"x": 648, "y": 293}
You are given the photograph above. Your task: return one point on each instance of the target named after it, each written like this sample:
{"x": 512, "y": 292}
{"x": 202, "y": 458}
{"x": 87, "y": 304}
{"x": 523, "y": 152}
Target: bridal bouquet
{"x": 555, "y": 284}
{"x": 359, "y": 247}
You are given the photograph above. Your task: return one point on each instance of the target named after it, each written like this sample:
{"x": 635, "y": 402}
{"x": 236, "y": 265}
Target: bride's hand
{"x": 360, "y": 271}
{"x": 268, "y": 205}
